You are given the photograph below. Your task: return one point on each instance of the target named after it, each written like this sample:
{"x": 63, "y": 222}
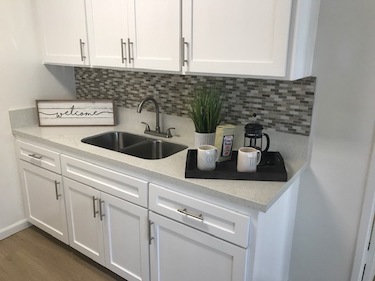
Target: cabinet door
{"x": 179, "y": 252}
{"x": 44, "y": 200}
{"x": 237, "y": 37}
{"x": 155, "y": 34}
{"x": 63, "y": 31}
{"x": 108, "y": 32}
{"x": 125, "y": 238}
{"x": 85, "y": 226}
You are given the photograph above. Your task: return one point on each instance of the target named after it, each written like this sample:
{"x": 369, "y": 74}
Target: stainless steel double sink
{"x": 135, "y": 145}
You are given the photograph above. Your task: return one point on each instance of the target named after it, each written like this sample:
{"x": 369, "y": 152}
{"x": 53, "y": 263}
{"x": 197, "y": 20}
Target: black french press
{"x": 254, "y": 136}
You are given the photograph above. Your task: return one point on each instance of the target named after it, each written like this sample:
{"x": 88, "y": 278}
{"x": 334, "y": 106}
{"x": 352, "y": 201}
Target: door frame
{"x": 362, "y": 255}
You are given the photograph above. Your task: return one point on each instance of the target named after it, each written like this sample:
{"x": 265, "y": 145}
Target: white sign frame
{"x": 76, "y": 113}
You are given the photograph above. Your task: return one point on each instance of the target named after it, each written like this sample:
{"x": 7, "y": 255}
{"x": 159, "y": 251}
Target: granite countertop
{"x": 256, "y": 195}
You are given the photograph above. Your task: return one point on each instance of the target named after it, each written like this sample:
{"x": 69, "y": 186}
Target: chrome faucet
{"x": 157, "y": 132}
{"x": 140, "y": 106}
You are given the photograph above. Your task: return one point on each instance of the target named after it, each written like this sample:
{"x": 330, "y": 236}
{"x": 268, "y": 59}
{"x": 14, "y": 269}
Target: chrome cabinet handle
{"x": 123, "y": 53}
{"x": 130, "y": 50}
{"x": 36, "y": 156}
{"x": 101, "y": 214}
{"x": 150, "y": 238}
{"x": 56, "y": 190}
{"x": 185, "y": 212}
{"x": 94, "y": 206}
{"x": 82, "y": 46}
{"x": 184, "y": 58}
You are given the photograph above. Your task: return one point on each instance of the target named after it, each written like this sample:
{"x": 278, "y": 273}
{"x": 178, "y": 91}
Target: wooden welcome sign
{"x": 76, "y": 112}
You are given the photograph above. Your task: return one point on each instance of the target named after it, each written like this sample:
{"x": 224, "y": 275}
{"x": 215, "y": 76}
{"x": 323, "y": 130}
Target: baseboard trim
{"x": 14, "y": 228}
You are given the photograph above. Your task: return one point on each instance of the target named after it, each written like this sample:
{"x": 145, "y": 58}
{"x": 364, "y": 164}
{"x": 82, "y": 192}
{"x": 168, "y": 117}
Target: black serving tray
{"x": 270, "y": 168}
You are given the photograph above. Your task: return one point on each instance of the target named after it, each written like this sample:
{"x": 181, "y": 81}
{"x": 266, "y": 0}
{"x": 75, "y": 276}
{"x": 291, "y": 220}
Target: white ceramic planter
{"x": 204, "y": 138}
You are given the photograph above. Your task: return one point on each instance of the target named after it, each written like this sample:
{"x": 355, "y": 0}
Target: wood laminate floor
{"x": 32, "y": 255}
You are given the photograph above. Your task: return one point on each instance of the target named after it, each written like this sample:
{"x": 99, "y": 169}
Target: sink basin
{"x": 135, "y": 145}
{"x": 116, "y": 141}
{"x": 154, "y": 149}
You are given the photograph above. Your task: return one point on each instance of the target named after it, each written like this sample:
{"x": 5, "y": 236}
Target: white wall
{"x": 22, "y": 80}
{"x": 331, "y": 192}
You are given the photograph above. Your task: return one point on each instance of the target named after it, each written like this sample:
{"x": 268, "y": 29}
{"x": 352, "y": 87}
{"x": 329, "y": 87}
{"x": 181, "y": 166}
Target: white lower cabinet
{"x": 182, "y": 253}
{"x": 44, "y": 200}
{"x": 192, "y": 239}
{"x": 109, "y": 230}
{"x": 144, "y": 231}
{"x": 85, "y": 226}
{"x": 125, "y": 238}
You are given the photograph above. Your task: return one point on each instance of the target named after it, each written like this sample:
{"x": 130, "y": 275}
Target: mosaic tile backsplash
{"x": 284, "y": 106}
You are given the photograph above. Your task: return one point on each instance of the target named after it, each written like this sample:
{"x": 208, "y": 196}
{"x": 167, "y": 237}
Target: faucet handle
{"x": 147, "y": 127}
{"x": 168, "y": 132}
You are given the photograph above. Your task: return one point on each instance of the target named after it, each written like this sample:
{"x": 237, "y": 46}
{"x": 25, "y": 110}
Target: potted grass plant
{"x": 205, "y": 111}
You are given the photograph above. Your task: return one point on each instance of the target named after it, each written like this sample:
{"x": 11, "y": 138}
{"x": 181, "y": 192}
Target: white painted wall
{"x": 22, "y": 80}
{"x": 331, "y": 192}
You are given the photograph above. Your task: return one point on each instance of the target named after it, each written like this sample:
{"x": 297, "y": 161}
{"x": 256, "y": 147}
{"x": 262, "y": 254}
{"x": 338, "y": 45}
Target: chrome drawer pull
{"x": 36, "y": 156}
{"x": 101, "y": 214}
{"x": 184, "y": 58}
{"x": 82, "y": 47}
{"x": 94, "y": 206}
{"x": 185, "y": 212}
{"x": 130, "y": 50}
{"x": 56, "y": 190}
{"x": 150, "y": 238}
{"x": 123, "y": 53}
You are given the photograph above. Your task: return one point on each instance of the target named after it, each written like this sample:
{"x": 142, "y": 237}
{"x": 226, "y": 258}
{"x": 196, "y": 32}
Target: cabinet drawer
{"x": 215, "y": 220}
{"x": 117, "y": 184}
{"x": 38, "y": 156}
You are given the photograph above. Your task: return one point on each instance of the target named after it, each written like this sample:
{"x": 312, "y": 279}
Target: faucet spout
{"x": 157, "y": 110}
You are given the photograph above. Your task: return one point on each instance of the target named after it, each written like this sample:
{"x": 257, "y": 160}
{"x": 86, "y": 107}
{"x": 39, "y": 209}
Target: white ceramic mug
{"x": 248, "y": 158}
{"x": 207, "y": 157}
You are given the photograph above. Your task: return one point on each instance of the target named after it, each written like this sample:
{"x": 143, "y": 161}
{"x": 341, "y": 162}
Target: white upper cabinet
{"x": 155, "y": 34}
{"x": 237, "y": 37}
{"x": 63, "y": 32}
{"x": 108, "y": 32}
{"x": 269, "y": 38}
{"x": 248, "y": 37}
{"x": 142, "y": 34}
